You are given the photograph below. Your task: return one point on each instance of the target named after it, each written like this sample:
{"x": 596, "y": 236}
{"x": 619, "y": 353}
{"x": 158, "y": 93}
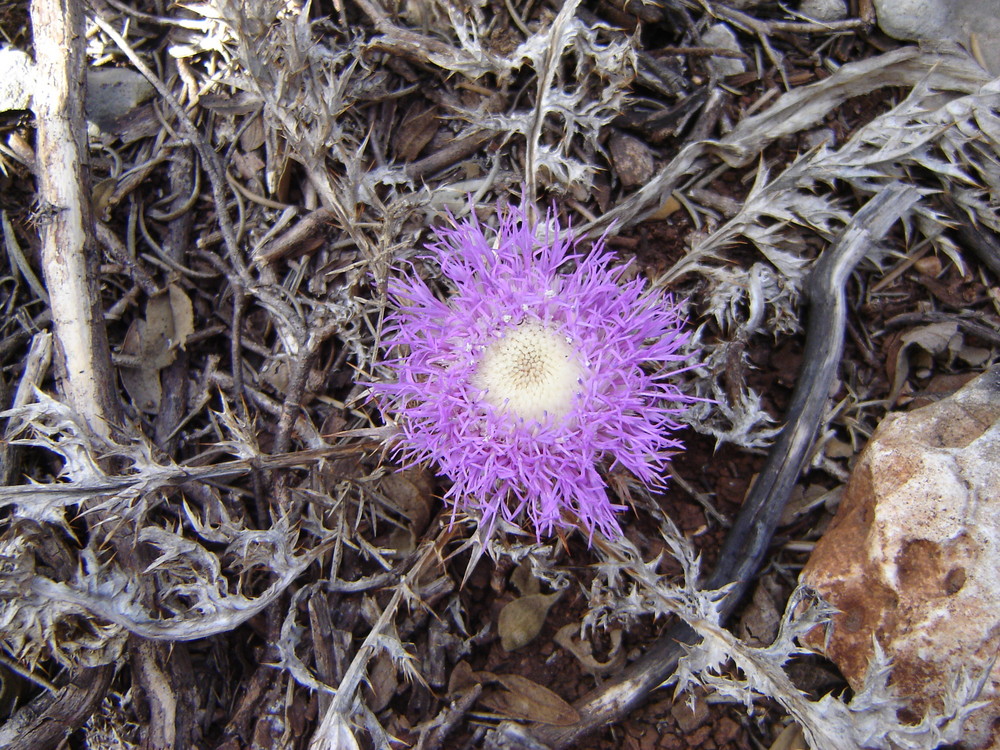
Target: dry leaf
{"x": 102, "y": 195}
{"x": 154, "y": 342}
{"x": 524, "y": 580}
{"x": 411, "y": 494}
{"x": 277, "y": 372}
{"x": 462, "y": 678}
{"x": 791, "y": 738}
{"x": 759, "y": 623}
{"x": 582, "y": 650}
{"x": 528, "y": 701}
{"x": 521, "y": 620}
{"x": 416, "y": 130}
{"x": 252, "y": 137}
{"x": 183, "y": 315}
{"x": 141, "y": 383}
{"x": 382, "y": 681}
{"x": 935, "y": 339}
{"x": 169, "y": 322}
{"x": 974, "y": 356}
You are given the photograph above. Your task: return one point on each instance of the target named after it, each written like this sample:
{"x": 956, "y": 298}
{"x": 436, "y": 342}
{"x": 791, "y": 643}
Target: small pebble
{"x": 975, "y": 24}
{"x": 689, "y": 717}
{"x": 113, "y": 92}
{"x": 632, "y": 158}
{"x": 824, "y": 10}
{"x": 722, "y": 37}
{"x": 15, "y": 79}
{"x": 929, "y": 265}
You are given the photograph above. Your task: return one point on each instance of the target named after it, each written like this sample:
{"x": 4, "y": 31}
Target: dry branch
{"x": 64, "y": 215}
{"x": 69, "y": 270}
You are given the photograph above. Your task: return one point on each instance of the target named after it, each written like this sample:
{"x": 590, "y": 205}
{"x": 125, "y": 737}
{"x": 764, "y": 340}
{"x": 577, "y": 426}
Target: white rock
{"x": 15, "y": 79}
{"x": 722, "y": 36}
{"x": 113, "y": 92}
{"x": 824, "y": 10}
{"x": 913, "y": 19}
{"x": 912, "y": 556}
{"x": 975, "y": 24}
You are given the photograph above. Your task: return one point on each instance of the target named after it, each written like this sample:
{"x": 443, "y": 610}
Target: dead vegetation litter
{"x": 222, "y": 558}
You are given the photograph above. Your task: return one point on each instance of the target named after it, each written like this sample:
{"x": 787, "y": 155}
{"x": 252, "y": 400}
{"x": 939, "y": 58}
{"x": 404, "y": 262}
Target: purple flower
{"x": 543, "y": 368}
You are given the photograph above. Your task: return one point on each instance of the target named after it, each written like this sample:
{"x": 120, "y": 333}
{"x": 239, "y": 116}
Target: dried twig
{"x": 68, "y": 260}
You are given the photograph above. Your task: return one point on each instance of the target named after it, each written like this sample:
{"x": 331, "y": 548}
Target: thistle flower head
{"x": 543, "y": 368}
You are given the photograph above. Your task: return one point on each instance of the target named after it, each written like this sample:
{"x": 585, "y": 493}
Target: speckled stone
{"x": 913, "y": 553}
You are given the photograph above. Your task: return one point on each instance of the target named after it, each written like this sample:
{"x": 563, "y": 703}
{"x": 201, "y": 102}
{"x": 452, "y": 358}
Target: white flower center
{"x": 530, "y": 372}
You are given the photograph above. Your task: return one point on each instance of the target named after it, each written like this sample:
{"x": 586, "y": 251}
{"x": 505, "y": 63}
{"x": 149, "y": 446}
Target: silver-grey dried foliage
{"x": 868, "y": 720}
{"x": 947, "y": 126}
{"x": 210, "y": 570}
{"x": 566, "y": 113}
{"x": 628, "y": 588}
{"x": 80, "y": 613}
